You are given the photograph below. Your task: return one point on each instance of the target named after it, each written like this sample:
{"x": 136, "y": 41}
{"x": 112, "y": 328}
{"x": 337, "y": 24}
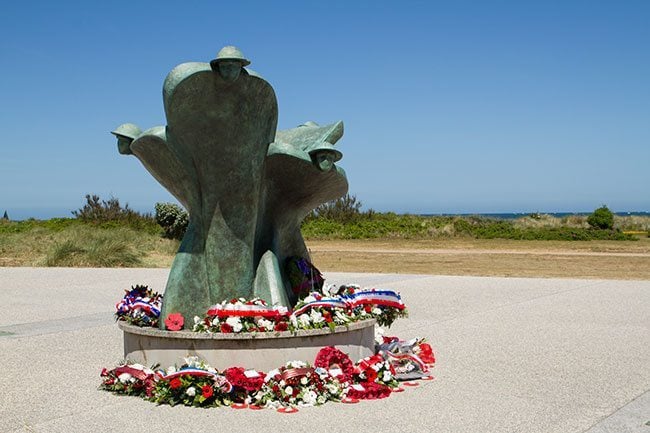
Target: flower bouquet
{"x": 129, "y": 379}
{"x": 140, "y": 306}
{"x": 193, "y": 384}
{"x": 242, "y": 315}
{"x": 298, "y": 384}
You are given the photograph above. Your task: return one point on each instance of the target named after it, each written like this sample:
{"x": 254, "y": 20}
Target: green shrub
{"x": 602, "y": 218}
{"x": 173, "y": 220}
{"x": 344, "y": 209}
{"x": 111, "y": 214}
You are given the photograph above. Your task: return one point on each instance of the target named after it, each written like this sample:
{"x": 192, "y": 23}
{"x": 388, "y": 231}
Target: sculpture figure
{"x": 246, "y": 188}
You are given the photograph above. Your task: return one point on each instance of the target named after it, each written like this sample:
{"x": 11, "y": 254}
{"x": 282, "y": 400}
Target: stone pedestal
{"x": 261, "y": 350}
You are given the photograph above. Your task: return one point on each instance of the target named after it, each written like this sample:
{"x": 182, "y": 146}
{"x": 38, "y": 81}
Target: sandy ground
{"x": 514, "y": 355}
{"x": 594, "y": 259}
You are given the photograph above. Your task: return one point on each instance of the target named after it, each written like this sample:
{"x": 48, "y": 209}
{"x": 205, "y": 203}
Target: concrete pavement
{"x": 514, "y": 355}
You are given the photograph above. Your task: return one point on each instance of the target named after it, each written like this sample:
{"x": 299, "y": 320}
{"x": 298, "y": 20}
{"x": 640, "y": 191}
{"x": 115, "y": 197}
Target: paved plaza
{"x": 513, "y": 355}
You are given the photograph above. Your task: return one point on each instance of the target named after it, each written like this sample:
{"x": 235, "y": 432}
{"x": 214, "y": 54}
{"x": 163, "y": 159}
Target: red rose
{"x": 207, "y": 391}
{"x": 174, "y": 322}
{"x": 367, "y": 308}
{"x": 281, "y": 326}
{"x": 104, "y": 372}
{"x": 175, "y": 383}
{"x": 226, "y": 327}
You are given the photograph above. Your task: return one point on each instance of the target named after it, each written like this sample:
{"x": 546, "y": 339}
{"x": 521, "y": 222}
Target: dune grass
{"x": 69, "y": 242}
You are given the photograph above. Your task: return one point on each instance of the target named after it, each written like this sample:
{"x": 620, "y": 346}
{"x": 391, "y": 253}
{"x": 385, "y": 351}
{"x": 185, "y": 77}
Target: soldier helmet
{"x": 326, "y": 147}
{"x": 128, "y": 130}
{"x": 230, "y": 53}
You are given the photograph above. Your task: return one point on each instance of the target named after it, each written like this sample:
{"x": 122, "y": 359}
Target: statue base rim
{"x": 262, "y": 351}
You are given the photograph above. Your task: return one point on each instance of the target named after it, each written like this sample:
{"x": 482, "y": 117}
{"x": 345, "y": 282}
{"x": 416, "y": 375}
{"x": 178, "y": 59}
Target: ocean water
{"x": 515, "y": 215}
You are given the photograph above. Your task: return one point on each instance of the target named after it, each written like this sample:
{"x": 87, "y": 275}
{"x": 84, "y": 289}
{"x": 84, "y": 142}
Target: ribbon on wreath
{"x": 296, "y": 373}
{"x": 323, "y": 302}
{"x": 230, "y": 310}
{"x": 126, "y": 305}
{"x": 135, "y": 372}
{"x": 406, "y": 365}
{"x": 219, "y": 380}
{"x": 386, "y": 298}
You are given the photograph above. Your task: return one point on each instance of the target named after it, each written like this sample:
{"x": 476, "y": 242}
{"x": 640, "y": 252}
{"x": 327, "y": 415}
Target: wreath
{"x": 331, "y": 358}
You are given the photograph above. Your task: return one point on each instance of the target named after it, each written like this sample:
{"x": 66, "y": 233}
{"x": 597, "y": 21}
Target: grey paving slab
{"x": 514, "y": 355}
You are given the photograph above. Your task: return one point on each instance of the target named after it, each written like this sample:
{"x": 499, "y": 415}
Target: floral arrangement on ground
{"x": 332, "y": 377}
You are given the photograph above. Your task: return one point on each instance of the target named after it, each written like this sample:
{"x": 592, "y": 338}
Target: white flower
{"x": 124, "y": 377}
{"x": 316, "y": 316}
{"x": 331, "y": 290}
{"x": 331, "y": 388}
{"x": 197, "y": 320}
{"x": 191, "y": 391}
{"x": 304, "y": 381}
{"x": 387, "y": 376}
{"x": 192, "y": 361}
{"x": 321, "y": 399}
{"x": 309, "y": 398}
{"x": 288, "y": 390}
{"x": 215, "y": 322}
{"x": 271, "y": 374}
{"x": 293, "y": 320}
{"x": 235, "y": 322}
{"x": 376, "y": 311}
{"x": 264, "y": 323}
{"x": 282, "y": 383}
{"x": 304, "y": 320}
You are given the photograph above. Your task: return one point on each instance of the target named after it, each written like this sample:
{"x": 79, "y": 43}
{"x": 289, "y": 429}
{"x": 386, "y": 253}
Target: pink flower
{"x": 174, "y": 322}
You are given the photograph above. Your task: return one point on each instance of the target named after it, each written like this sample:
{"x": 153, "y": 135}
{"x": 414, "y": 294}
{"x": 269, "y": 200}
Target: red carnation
{"x": 207, "y": 391}
{"x": 327, "y": 316}
{"x": 174, "y": 322}
{"x": 281, "y": 326}
{"x": 104, "y": 372}
{"x": 226, "y": 327}
{"x": 175, "y": 383}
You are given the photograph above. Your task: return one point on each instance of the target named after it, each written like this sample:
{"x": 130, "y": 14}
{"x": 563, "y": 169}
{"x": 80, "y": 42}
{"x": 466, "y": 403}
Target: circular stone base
{"x": 254, "y": 350}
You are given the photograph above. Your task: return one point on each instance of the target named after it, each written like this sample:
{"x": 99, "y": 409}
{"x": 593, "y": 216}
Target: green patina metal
{"x": 246, "y": 187}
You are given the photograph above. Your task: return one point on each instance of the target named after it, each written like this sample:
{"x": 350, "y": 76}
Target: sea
{"x": 515, "y": 215}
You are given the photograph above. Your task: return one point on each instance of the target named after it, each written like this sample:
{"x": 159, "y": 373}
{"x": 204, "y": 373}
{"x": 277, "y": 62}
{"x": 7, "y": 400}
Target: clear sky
{"x": 484, "y": 106}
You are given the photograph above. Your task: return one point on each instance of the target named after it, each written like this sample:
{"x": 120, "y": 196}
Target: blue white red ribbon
{"x": 230, "y": 310}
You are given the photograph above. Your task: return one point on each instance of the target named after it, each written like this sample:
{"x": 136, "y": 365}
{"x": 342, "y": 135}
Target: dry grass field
{"x": 493, "y": 257}
{"x": 83, "y": 246}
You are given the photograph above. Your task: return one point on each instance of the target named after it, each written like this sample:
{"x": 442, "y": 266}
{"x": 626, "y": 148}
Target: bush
{"x": 344, "y": 210}
{"x": 111, "y": 214}
{"x": 173, "y": 219}
{"x": 602, "y": 218}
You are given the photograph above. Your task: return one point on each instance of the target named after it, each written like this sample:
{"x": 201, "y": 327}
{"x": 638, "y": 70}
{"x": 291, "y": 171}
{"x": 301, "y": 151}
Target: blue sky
{"x": 499, "y": 106}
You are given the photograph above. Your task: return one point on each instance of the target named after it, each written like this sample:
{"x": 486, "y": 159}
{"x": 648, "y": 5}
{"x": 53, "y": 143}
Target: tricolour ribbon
{"x": 247, "y": 311}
